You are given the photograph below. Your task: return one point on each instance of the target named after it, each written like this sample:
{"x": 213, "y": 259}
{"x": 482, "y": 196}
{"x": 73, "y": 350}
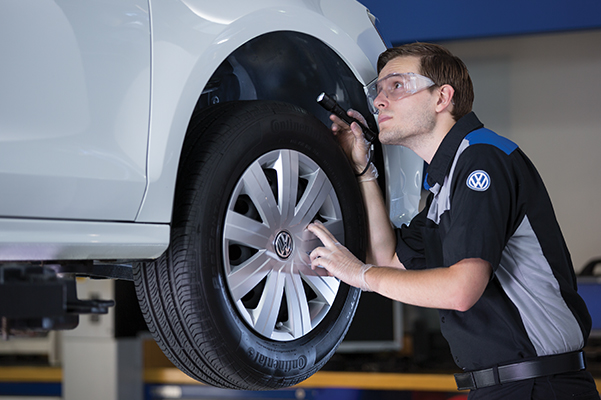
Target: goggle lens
{"x": 396, "y": 86}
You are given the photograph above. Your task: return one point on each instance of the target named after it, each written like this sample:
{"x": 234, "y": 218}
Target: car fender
{"x": 190, "y": 41}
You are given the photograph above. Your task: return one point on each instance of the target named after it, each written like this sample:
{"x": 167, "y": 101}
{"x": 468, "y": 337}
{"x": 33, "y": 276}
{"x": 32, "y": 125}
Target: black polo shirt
{"x": 488, "y": 201}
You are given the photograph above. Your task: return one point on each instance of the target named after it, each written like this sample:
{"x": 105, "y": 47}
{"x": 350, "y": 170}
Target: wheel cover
{"x": 266, "y": 245}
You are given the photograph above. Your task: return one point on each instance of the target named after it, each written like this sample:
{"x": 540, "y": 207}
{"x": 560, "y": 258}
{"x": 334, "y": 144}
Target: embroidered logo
{"x": 478, "y": 181}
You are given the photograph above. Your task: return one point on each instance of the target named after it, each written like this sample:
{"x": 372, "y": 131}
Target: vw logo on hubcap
{"x": 283, "y": 244}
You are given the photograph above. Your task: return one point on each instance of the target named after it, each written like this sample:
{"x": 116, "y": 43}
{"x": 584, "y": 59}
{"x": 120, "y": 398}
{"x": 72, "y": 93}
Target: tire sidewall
{"x": 285, "y": 128}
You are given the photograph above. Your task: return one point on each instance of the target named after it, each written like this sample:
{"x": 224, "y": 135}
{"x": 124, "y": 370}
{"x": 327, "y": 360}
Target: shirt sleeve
{"x": 410, "y": 242}
{"x": 482, "y": 206}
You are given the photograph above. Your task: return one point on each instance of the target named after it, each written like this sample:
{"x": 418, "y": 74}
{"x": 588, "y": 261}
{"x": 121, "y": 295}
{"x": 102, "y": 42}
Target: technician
{"x": 486, "y": 250}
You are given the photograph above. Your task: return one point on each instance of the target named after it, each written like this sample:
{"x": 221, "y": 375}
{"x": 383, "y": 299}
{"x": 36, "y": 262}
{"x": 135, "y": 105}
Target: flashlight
{"x": 330, "y": 104}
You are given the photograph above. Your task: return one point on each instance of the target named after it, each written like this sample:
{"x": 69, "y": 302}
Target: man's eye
{"x": 397, "y": 85}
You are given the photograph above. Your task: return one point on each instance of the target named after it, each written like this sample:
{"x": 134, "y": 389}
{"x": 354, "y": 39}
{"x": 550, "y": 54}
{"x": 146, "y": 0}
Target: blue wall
{"x": 402, "y": 21}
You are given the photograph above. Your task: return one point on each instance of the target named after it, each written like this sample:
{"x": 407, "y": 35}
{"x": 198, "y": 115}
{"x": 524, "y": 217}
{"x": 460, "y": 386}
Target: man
{"x": 486, "y": 250}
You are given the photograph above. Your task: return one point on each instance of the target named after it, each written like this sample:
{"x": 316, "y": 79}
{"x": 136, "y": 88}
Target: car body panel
{"x": 95, "y": 101}
{"x": 43, "y": 240}
{"x": 184, "y": 60}
{"x": 74, "y": 108}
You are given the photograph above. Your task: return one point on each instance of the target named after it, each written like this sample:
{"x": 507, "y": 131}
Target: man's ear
{"x": 445, "y": 98}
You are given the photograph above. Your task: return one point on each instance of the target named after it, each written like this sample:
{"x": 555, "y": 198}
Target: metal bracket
{"x": 36, "y": 298}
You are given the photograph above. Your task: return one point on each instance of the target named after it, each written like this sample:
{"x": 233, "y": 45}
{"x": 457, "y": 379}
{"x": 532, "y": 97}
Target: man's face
{"x": 409, "y": 117}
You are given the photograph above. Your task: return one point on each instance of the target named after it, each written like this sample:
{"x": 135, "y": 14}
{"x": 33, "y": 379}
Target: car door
{"x": 74, "y": 108}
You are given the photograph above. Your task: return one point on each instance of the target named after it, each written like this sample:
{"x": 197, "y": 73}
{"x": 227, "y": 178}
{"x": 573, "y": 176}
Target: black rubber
{"x": 183, "y": 295}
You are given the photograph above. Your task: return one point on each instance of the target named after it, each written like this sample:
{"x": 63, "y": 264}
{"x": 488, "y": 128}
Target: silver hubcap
{"x": 266, "y": 245}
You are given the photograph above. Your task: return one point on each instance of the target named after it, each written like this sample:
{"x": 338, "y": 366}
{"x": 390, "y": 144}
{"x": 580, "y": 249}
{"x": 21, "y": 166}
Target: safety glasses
{"x": 395, "y": 86}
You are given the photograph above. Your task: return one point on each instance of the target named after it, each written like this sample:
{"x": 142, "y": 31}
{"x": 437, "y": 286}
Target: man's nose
{"x": 381, "y": 101}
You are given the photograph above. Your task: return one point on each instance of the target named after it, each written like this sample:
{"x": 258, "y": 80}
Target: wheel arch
{"x": 314, "y": 67}
{"x": 284, "y": 66}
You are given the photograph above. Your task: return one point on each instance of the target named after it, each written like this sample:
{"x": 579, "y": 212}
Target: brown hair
{"x": 440, "y": 65}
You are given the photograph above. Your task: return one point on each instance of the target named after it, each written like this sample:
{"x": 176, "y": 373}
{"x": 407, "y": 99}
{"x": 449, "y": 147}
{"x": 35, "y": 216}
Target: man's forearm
{"x": 382, "y": 240}
{"x": 457, "y": 287}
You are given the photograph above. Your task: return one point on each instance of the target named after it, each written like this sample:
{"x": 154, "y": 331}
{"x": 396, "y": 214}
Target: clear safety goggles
{"x": 395, "y": 86}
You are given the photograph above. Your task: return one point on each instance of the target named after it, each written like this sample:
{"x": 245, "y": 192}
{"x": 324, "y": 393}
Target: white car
{"x": 178, "y": 143}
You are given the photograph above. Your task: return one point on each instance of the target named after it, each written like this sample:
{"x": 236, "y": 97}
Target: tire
{"x": 232, "y": 302}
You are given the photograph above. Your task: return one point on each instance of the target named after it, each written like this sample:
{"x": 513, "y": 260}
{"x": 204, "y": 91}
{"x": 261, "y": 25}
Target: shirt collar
{"x": 443, "y": 158}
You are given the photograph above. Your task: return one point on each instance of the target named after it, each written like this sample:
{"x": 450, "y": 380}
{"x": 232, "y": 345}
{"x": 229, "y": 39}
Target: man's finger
{"x": 357, "y": 115}
{"x": 338, "y": 121}
{"x": 322, "y": 233}
{"x": 316, "y": 258}
{"x": 357, "y": 131}
{"x": 315, "y": 254}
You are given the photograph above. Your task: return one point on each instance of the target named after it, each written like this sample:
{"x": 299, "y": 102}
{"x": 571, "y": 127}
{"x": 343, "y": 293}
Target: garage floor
{"x": 346, "y": 376}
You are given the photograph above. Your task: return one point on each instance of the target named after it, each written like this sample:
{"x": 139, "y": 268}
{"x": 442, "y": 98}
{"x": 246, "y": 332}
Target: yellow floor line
{"x": 323, "y": 379}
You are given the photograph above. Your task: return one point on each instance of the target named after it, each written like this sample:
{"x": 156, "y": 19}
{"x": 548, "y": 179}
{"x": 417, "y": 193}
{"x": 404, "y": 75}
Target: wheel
{"x": 232, "y": 302}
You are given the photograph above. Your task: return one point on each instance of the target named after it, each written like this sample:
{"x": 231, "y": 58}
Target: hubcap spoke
{"x": 257, "y": 187}
{"x": 266, "y": 245}
{"x": 325, "y": 287}
{"x": 298, "y": 307}
{"x": 243, "y": 230}
{"x": 248, "y": 275}
{"x": 269, "y": 307}
{"x": 317, "y": 191}
{"x": 287, "y": 172}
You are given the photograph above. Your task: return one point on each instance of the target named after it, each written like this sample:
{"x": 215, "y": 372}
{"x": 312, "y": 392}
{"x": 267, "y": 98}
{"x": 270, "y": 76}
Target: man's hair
{"x": 440, "y": 65}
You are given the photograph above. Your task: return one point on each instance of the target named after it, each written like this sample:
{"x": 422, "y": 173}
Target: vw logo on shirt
{"x": 478, "y": 181}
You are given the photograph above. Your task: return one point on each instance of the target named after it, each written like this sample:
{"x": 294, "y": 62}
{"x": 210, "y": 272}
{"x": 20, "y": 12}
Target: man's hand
{"x": 457, "y": 287}
{"x": 337, "y": 259}
{"x": 351, "y": 139}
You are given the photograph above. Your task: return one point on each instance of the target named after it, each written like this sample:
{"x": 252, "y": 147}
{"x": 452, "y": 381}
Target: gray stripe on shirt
{"x": 528, "y": 281}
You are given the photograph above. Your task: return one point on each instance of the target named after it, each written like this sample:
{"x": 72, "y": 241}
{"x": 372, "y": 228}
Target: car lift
{"x": 37, "y": 297}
